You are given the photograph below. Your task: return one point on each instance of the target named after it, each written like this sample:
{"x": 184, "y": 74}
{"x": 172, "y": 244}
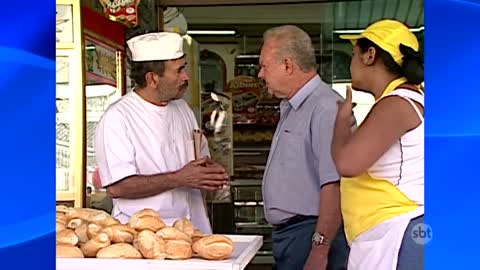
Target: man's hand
{"x": 203, "y": 174}
{"x": 318, "y": 258}
{"x": 214, "y": 164}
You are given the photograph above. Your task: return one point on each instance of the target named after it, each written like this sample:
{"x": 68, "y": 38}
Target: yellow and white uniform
{"x": 378, "y": 205}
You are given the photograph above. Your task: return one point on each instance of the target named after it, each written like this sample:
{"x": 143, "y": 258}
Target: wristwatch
{"x": 319, "y": 239}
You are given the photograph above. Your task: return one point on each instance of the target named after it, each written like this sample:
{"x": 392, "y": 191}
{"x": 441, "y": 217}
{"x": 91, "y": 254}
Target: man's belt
{"x": 292, "y": 221}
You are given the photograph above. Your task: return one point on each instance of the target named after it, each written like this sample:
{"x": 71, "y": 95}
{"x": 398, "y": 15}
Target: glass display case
{"x": 104, "y": 85}
{"x": 69, "y": 103}
{"x": 90, "y": 76}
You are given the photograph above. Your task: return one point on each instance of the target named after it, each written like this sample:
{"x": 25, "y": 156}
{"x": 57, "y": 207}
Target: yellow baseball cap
{"x": 388, "y": 35}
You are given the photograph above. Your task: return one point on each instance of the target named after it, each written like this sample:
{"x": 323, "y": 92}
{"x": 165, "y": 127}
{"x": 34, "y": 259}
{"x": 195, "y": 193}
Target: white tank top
{"x": 403, "y": 163}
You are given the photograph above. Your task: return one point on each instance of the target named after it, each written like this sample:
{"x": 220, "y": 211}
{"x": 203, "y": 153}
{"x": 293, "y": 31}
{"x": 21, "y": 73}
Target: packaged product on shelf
{"x": 246, "y": 92}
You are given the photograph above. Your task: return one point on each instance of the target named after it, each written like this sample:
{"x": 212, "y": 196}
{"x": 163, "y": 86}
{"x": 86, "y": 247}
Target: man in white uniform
{"x": 144, "y": 145}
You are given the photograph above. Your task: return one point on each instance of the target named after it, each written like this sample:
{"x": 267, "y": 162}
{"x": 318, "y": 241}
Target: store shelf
{"x": 256, "y": 124}
{"x": 65, "y": 196}
{"x": 248, "y": 203}
{"x": 65, "y": 46}
{"x": 250, "y": 148}
{"x": 263, "y": 258}
{"x": 252, "y": 225}
{"x": 245, "y": 182}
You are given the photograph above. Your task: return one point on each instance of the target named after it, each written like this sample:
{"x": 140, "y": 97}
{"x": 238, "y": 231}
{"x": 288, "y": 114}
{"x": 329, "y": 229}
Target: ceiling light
{"x": 248, "y": 56}
{"x": 211, "y": 32}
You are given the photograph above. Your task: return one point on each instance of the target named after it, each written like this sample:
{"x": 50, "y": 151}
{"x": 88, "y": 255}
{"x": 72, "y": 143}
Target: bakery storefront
{"x": 222, "y": 39}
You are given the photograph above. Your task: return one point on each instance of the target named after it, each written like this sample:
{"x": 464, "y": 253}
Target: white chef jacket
{"x": 136, "y": 137}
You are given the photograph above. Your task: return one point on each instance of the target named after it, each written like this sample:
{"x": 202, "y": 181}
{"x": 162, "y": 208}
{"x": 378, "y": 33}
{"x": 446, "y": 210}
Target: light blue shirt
{"x": 300, "y": 160}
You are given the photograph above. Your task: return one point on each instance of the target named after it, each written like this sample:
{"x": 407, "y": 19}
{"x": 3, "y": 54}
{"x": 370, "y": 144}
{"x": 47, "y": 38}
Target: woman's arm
{"x": 388, "y": 120}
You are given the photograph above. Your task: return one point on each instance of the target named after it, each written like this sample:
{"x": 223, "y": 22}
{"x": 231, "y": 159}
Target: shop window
{"x": 213, "y": 71}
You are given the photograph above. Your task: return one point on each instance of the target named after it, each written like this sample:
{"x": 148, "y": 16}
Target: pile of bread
{"x": 91, "y": 233}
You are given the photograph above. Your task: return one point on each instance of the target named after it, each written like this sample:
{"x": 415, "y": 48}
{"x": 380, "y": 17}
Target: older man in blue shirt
{"x": 301, "y": 183}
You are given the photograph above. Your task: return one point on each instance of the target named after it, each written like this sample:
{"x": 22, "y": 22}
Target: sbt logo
{"x": 422, "y": 234}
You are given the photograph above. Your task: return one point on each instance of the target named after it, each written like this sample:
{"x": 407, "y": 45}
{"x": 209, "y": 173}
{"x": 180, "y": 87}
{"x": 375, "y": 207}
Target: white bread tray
{"x": 245, "y": 248}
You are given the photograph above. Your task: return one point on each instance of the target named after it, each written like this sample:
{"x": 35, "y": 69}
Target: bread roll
{"x": 178, "y": 250}
{"x": 68, "y": 251}
{"x": 61, "y": 218}
{"x": 60, "y": 227}
{"x": 214, "y": 247}
{"x": 83, "y": 213}
{"x": 61, "y": 209}
{"x": 93, "y": 229}
{"x": 119, "y": 251}
{"x": 67, "y": 237}
{"x": 197, "y": 235}
{"x": 146, "y": 212}
{"x": 150, "y": 245}
{"x": 146, "y": 219}
{"x": 92, "y": 246}
{"x": 75, "y": 223}
{"x": 170, "y": 233}
{"x": 104, "y": 220}
{"x": 81, "y": 233}
{"x": 185, "y": 226}
{"x": 120, "y": 233}
{"x": 99, "y": 217}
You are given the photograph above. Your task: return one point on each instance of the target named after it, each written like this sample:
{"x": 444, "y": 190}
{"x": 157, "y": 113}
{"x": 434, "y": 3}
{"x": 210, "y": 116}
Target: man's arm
{"x": 194, "y": 175}
{"x": 329, "y": 216}
{"x": 141, "y": 186}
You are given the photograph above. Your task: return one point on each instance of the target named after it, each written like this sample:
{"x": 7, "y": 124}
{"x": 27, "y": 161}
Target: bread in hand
{"x": 119, "y": 251}
{"x": 92, "y": 246}
{"x": 170, "y": 233}
{"x": 185, "y": 226}
{"x": 213, "y": 247}
{"x": 178, "y": 249}
{"x": 146, "y": 219}
{"x": 150, "y": 245}
{"x": 68, "y": 251}
{"x": 67, "y": 237}
{"x": 120, "y": 233}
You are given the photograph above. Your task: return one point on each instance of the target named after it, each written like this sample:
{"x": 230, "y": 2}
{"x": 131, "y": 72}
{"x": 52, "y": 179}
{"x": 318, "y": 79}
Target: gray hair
{"x": 294, "y": 42}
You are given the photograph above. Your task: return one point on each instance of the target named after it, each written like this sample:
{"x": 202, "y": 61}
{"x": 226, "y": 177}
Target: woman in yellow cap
{"x": 382, "y": 162}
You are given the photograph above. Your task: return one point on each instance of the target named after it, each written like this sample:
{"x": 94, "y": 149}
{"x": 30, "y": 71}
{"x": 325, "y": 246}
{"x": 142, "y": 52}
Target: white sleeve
{"x": 114, "y": 150}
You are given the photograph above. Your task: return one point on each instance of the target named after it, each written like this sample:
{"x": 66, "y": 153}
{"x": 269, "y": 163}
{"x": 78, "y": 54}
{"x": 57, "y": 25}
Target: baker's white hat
{"x": 156, "y": 46}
